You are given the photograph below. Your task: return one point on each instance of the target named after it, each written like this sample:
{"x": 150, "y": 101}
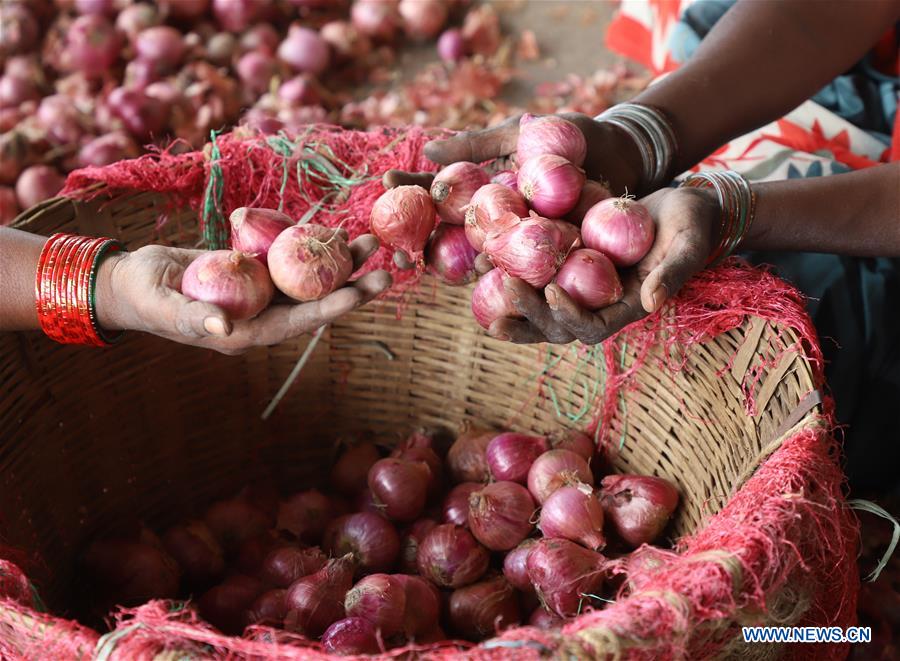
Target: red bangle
{"x": 64, "y": 289}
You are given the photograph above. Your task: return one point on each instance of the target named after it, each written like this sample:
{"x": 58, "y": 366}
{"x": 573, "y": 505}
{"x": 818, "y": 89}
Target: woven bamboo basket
{"x": 154, "y": 430}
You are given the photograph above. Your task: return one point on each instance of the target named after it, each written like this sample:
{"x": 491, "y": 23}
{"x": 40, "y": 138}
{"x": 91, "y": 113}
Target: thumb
{"x": 198, "y": 319}
{"x": 476, "y": 146}
{"x": 683, "y": 259}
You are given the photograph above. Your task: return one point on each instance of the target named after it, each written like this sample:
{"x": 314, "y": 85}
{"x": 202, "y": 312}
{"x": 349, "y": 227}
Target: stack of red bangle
{"x": 64, "y": 289}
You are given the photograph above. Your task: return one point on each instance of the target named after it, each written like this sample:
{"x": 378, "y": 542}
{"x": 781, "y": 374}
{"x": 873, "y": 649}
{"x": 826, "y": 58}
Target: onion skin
{"x": 186, "y": 10}
{"x": 345, "y": 40}
{"x": 308, "y": 262}
{"x": 423, "y": 19}
{"x": 450, "y": 557}
{"x": 36, "y": 184}
{"x": 299, "y": 91}
{"x": 130, "y": 571}
{"x": 574, "y": 440}
{"x": 500, "y": 515}
{"x": 638, "y": 507}
{"x": 269, "y": 608}
{"x": 254, "y": 230}
{"x": 453, "y": 188}
{"x": 92, "y": 45}
{"x": 161, "y": 44}
{"x": 450, "y": 256}
{"x": 305, "y": 515}
{"x": 483, "y": 609}
{"x": 562, "y": 572}
{"x": 451, "y": 46}
{"x": 533, "y": 249}
{"x": 15, "y": 91}
{"x": 409, "y": 544}
{"x": 490, "y": 300}
{"x": 255, "y": 70}
{"x": 238, "y": 284}
{"x": 9, "y": 206}
{"x": 550, "y": 135}
{"x": 20, "y": 30}
{"x": 506, "y": 178}
{"x": 349, "y": 475}
{"x": 423, "y": 605}
{"x": 492, "y": 209}
{"x": 261, "y": 37}
{"x": 642, "y": 564}
{"x": 465, "y": 459}
{"x": 573, "y": 513}
{"x": 351, "y": 636}
{"x": 237, "y": 15}
{"x": 248, "y": 556}
{"x": 235, "y": 521}
{"x": 515, "y": 566}
{"x": 195, "y": 549}
{"x": 371, "y": 539}
{"x": 135, "y": 18}
{"x": 544, "y": 619}
{"x": 455, "y": 509}
{"x": 227, "y": 605}
{"x": 621, "y": 229}
{"x": 401, "y": 486}
{"x": 550, "y": 184}
{"x": 282, "y": 566}
{"x": 555, "y": 469}
{"x": 107, "y": 149}
{"x": 510, "y": 455}
{"x": 403, "y": 218}
{"x": 428, "y": 457}
{"x": 142, "y": 115}
{"x": 590, "y": 279}
{"x": 304, "y": 51}
{"x": 379, "y": 598}
{"x": 316, "y": 601}
{"x": 591, "y": 193}
{"x": 378, "y": 19}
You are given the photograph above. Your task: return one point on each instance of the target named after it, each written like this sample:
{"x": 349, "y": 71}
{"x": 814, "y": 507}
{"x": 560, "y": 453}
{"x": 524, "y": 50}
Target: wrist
{"x": 624, "y": 175}
{"x": 108, "y": 299}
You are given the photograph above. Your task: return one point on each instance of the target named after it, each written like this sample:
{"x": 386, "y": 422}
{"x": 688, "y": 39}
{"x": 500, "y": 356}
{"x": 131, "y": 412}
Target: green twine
{"x": 877, "y": 510}
{"x": 590, "y": 385}
{"x": 215, "y": 229}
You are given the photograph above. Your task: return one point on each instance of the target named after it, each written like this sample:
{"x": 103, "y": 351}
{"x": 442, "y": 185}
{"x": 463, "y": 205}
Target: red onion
{"x": 234, "y": 521}
{"x": 346, "y": 41}
{"x": 465, "y": 459}
{"x": 365, "y": 502}
{"x": 450, "y": 557}
{"x": 409, "y": 544}
{"x": 429, "y": 457}
{"x": 515, "y": 567}
{"x": 262, "y": 495}
{"x": 565, "y": 575}
{"x": 371, "y": 539}
{"x": 38, "y": 183}
{"x": 574, "y": 440}
{"x": 422, "y": 606}
{"x": 590, "y": 279}
{"x": 9, "y": 207}
{"x": 92, "y": 46}
{"x": 550, "y": 184}
{"x": 226, "y": 605}
{"x": 642, "y": 564}
{"x": 638, "y": 506}
{"x": 144, "y": 116}
{"x": 500, "y": 515}
{"x": 376, "y": 18}
{"x": 451, "y": 46}
{"x": 235, "y": 282}
{"x": 304, "y": 50}
{"x": 254, "y": 230}
{"x": 450, "y": 256}
{"x": 401, "y": 486}
{"x": 456, "y": 505}
{"x": 490, "y": 301}
{"x": 552, "y": 135}
{"x": 492, "y": 209}
{"x": 423, "y": 19}
{"x": 162, "y": 44}
{"x": 20, "y": 31}
{"x": 620, "y": 228}
{"x": 10, "y": 117}
{"x": 269, "y": 608}
{"x": 591, "y": 193}
{"x": 237, "y": 15}
{"x": 555, "y": 469}
{"x": 15, "y": 91}
{"x": 135, "y": 18}
{"x": 220, "y": 48}
{"x": 403, "y": 218}
{"x": 95, "y": 6}
{"x": 196, "y": 551}
{"x": 544, "y": 619}
{"x": 506, "y": 178}
{"x": 510, "y": 455}
{"x": 251, "y": 552}
{"x": 349, "y": 475}
{"x": 141, "y": 73}
{"x": 261, "y": 37}
{"x": 299, "y": 91}
{"x": 308, "y": 262}
{"x": 453, "y": 188}
{"x": 481, "y": 30}
{"x": 484, "y": 609}
{"x": 107, "y": 149}
{"x": 131, "y": 571}
{"x": 316, "y": 601}
{"x": 187, "y": 10}
{"x": 379, "y": 598}
{"x": 573, "y": 513}
{"x": 351, "y": 636}
{"x": 305, "y": 515}
{"x": 533, "y": 249}
{"x": 256, "y": 70}
{"x": 61, "y": 119}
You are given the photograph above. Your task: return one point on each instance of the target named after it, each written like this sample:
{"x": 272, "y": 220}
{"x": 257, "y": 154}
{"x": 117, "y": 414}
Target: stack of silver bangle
{"x": 652, "y": 134}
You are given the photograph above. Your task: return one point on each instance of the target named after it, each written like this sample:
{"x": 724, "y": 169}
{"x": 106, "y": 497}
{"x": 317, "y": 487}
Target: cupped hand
{"x": 686, "y": 221}
{"x": 142, "y": 291}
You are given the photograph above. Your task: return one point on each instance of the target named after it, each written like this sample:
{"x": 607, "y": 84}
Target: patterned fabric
{"x": 852, "y": 123}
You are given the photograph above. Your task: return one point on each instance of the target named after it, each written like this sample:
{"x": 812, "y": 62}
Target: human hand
{"x": 142, "y": 291}
{"x": 686, "y": 233}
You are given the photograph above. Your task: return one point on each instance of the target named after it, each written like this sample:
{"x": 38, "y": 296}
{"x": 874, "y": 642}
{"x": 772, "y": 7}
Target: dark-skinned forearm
{"x": 759, "y": 62}
{"x": 857, "y": 213}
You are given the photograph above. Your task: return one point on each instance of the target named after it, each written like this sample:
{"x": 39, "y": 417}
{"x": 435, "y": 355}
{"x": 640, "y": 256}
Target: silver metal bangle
{"x": 652, "y": 134}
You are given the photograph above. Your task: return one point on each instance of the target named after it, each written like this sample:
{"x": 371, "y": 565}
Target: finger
{"x": 683, "y": 259}
{"x": 363, "y": 247}
{"x": 594, "y": 327}
{"x": 483, "y": 264}
{"x": 532, "y": 305}
{"x": 402, "y": 260}
{"x": 394, "y": 178}
{"x": 372, "y": 284}
{"x": 194, "y": 318}
{"x": 475, "y": 146}
{"x": 517, "y": 331}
